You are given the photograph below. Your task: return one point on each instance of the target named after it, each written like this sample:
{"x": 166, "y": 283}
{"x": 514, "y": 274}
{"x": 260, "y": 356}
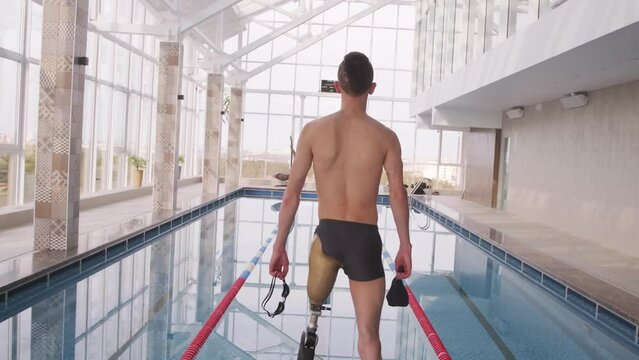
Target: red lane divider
{"x": 209, "y": 325}
{"x": 429, "y": 330}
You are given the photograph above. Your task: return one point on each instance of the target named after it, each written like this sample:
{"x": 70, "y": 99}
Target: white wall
{"x": 578, "y": 170}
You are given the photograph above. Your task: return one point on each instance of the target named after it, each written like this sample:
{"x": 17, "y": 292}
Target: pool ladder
{"x": 429, "y": 195}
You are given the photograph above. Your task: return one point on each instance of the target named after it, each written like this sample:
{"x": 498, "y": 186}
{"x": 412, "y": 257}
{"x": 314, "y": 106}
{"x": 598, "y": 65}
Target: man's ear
{"x": 338, "y": 87}
{"x": 371, "y": 89}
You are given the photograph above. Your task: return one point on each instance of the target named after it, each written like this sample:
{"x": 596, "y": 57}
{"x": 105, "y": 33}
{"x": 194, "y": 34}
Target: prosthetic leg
{"x": 321, "y": 279}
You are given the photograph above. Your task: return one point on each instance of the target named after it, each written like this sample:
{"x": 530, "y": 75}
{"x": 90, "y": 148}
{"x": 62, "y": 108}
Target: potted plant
{"x": 138, "y": 164}
{"x": 180, "y": 163}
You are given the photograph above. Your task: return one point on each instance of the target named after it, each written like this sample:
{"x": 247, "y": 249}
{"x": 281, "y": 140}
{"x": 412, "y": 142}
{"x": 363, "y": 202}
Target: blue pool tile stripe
{"x": 622, "y": 326}
{"x": 577, "y": 300}
{"x": 582, "y": 303}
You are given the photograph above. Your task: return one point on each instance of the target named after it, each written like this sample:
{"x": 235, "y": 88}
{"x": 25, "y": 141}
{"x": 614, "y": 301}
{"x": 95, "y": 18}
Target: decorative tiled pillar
{"x": 167, "y": 129}
{"x": 57, "y": 190}
{"x": 206, "y": 267}
{"x": 210, "y": 171}
{"x": 232, "y": 176}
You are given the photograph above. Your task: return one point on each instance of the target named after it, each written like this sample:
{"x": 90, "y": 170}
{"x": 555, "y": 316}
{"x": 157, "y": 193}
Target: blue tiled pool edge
{"x": 55, "y": 278}
{"x": 591, "y": 309}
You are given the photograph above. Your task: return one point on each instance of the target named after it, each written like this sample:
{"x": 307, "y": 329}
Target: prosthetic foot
{"x": 309, "y": 339}
{"x": 321, "y": 279}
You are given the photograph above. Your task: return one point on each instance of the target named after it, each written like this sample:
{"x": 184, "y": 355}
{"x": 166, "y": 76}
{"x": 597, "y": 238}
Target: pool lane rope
{"x": 192, "y": 350}
{"x": 429, "y": 330}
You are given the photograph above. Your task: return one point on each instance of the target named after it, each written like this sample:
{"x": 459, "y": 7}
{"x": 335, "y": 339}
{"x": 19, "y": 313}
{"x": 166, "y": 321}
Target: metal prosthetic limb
{"x": 321, "y": 279}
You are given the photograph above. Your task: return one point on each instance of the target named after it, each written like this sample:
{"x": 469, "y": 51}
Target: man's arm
{"x": 399, "y": 205}
{"x": 291, "y": 200}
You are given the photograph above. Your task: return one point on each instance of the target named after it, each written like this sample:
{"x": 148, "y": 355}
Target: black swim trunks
{"x": 357, "y": 246}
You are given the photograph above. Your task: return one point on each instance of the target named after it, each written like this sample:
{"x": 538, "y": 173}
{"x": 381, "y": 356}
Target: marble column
{"x": 57, "y": 189}
{"x": 232, "y": 176}
{"x": 210, "y": 171}
{"x": 167, "y": 131}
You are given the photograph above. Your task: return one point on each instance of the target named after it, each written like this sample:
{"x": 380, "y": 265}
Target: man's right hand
{"x": 278, "y": 266}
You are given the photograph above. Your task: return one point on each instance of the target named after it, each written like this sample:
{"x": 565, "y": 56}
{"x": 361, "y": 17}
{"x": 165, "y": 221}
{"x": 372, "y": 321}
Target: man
{"x": 348, "y": 150}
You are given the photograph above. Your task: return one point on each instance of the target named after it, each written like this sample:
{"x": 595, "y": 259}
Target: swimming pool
{"x": 152, "y": 301}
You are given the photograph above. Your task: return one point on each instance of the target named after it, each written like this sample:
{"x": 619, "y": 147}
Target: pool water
{"x": 150, "y": 304}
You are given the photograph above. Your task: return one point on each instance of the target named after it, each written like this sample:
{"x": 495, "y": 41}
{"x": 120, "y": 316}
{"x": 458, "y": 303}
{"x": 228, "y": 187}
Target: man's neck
{"x": 352, "y": 105}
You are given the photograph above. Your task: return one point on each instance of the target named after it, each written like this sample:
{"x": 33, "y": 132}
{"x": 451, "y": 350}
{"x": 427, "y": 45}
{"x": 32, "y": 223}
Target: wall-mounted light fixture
{"x": 574, "y": 100}
{"x": 515, "y": 113}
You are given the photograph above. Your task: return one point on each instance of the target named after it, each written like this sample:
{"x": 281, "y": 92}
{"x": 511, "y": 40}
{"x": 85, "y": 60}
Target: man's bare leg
{"x": 368, "y": 298}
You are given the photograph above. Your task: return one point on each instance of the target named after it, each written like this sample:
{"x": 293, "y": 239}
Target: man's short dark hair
{"x": 355, "y": 74}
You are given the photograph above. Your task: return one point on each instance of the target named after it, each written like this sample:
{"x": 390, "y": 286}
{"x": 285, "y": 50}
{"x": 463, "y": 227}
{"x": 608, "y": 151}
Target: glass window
{"x": 10, "y": 24}
{"x": 405, "y": 45}
{"x": 92, "y": 53}
{"x": 260, "y": 81}
{"x": 307, "y": 78}
{"x": 386, "y": 16}
{"x": 121, "y": 66}
{"x": 31, "y": 130}
{"x": 87, "y": 135}
{"x": 254, "y": 135}
{"x": 334, "y": 48}
{"x": 281, "y": 104}
{"x": 255, "y": 102}
{"x": 402, "y": 84}
{"x": 400, "y": 111}
{"x": 104, "y": 102}
{"x": 406, "y": 133}
{"x": 118, "y": 119}
{"x": 385, "y": 83}
{"x": 406, "y": 17}
{"x": 133, "y": 124}
{"x": 35, "y": 42}
{"x": 136, "y": 72}
{"x": 283, "y": 77}
{"x": 359, "y": 39}
{"x": 106, "y": 60}
{"x": 451, "y": 147}
{"x": 5, "y": 178}
{"x": 427, "y": 146}
{"x": 279, "y": 131}
{"x": 124, "y": 11}
{"x": 311, "y": 55}
{"x": 147, "y": 80}
{"x": 9, "y": 90}
{"x": 383, "y": 54}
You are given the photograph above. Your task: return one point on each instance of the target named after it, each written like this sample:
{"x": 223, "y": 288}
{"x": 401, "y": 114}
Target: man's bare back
{"x": 348, "y": 157}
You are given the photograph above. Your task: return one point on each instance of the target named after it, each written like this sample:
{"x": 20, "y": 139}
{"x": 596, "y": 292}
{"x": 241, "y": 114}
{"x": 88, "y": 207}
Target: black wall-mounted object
{"x": 328, "y": 86}
{"x": 82, "y": 61}
{"x": 180, "y": 97}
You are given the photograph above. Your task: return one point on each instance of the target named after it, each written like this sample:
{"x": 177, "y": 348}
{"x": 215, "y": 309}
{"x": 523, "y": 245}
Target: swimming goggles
{"x": 280, "y": 306}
